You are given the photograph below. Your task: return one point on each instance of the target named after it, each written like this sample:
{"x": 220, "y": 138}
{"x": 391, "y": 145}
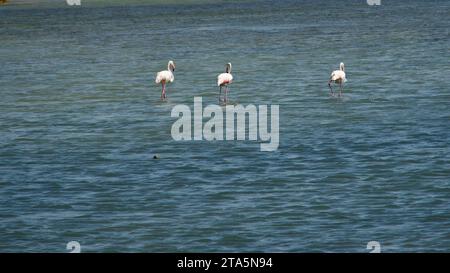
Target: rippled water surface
{"x": 81, "y": 118}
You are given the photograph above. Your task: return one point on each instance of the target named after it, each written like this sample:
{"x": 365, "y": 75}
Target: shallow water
{"x": 80, "y": 121}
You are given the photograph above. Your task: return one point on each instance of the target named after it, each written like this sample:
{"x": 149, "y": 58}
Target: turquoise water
{"x": 81, "y": 118}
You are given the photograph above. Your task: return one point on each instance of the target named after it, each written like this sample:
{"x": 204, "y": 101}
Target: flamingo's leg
{"x": 331, "y": 88}
{"x": 226, "y": 94}
{"x": 163, "y": 94}
{"x": 340, "y": 89}
{"x": 220, "y": 94}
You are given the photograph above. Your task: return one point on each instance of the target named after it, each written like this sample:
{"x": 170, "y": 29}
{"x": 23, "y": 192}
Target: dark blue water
{"x": 81, "y": 118}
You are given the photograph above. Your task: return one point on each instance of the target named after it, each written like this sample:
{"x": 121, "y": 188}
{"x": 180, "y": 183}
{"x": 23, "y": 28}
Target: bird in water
{"x": 223, "y": 80}
{"x": 338, "y": 76}
{"x": 164, "y": 77}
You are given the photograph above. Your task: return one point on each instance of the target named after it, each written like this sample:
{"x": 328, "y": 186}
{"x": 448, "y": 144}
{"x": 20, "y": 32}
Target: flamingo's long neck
{"x": 228, "y": 69}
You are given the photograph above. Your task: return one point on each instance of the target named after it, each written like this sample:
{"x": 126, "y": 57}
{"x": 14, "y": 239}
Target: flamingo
{"x": 338, "y": 76}
{"x": 225, "y": 79}
{"x": 165, "y": 76}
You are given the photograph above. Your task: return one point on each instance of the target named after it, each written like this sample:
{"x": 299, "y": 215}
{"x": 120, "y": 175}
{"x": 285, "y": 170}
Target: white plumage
{"x": 165, "y": 76}
{"x": 224, "y": 79}
{"x": 338, "y": 76}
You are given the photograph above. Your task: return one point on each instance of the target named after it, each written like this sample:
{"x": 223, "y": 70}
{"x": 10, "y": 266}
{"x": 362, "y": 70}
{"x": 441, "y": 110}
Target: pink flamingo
{"x": 338, "y": 76}
{"x": 225, "y": 79}
{"x": 165, "y": 76}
